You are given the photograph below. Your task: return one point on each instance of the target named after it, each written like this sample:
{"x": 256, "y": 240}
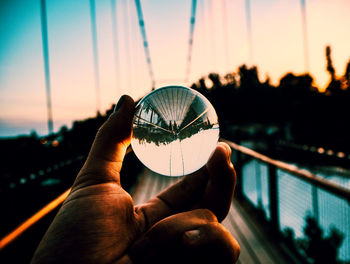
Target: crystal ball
{"x": 175, "y": 129}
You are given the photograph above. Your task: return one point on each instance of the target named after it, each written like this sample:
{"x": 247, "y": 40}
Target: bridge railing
{"x": 284, "y": 192}
{"x": 35, "y": 218}
{"x": 286, "y": 195}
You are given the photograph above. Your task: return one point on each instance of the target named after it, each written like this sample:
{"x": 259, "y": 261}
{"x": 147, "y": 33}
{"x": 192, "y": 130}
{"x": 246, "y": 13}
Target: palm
{"x": 98, "y": 222}
{"x": 101, "y": 218}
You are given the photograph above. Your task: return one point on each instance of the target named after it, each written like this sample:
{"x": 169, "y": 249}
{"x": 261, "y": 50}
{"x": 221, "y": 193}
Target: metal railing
{"x": 287, "y": 194}
{"x": 283, "y": 191}
{"x": 10, "y": 237}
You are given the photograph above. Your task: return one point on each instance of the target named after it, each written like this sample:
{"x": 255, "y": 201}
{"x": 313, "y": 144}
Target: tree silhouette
{"x": 321, "y": 249}
{"x": 297, "y": 85}
{"x": 334, "y": 86}
{"x": 248, "y": 77}
{"x": 330, "y": 67}
{"x": 346, "y": 77}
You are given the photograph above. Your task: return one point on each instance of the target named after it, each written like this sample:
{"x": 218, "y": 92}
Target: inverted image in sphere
{"x": 175, "y": 129}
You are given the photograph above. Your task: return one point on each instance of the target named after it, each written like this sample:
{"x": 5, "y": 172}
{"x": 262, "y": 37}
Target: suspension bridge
{"x": 272, "y": 196}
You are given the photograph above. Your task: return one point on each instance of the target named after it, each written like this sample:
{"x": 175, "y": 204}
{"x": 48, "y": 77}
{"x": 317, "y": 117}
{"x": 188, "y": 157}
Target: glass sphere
{"x": 175, "y": 129}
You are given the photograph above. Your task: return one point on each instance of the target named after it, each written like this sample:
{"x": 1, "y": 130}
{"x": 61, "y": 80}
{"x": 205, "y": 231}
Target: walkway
{"x": 255, "y": 245}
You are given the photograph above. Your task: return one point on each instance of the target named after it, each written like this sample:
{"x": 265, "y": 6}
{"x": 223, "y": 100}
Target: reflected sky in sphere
{"x": 175, "y": 129}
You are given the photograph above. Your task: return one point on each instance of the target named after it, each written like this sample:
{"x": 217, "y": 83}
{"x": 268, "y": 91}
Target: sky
{"x": 220, "y": 45}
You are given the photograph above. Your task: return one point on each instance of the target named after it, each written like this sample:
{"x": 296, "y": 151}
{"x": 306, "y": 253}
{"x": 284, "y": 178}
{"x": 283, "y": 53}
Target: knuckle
{"x": 206, "y": 214}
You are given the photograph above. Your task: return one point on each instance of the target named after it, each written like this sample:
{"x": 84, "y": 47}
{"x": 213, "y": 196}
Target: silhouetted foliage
{"x": 297, "y": 85}
{"x": 314, "y": 247}
{"x": 318, "y": 247}
{"x": 346, "y": 78}
{"x": 330, "y": 67}
{"x": 334, "y": 86}
{"x": 301, "y": 113}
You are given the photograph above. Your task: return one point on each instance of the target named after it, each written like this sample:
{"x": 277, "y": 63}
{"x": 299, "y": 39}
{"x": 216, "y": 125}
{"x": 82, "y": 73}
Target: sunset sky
{"x": 218, "y": 47}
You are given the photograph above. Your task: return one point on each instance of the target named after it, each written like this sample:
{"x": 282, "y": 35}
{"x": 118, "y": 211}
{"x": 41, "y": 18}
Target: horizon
{"x": 277, "y": 49}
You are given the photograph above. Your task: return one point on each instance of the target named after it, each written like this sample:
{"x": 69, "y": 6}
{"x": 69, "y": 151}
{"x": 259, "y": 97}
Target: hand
{"x": 98, "y": 222}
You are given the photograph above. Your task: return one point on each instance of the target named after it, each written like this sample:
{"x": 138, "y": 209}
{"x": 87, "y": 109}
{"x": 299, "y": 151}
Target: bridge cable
{"x": 224, "y": 22}
{"x": 145, "y": 42}
{"x": 115, "y": 45}
{"x": 45, "y": 44}
{"x": 212, "y": 42}
{"x": 249, "y": 30}
{"x": 95, "y": 52}
{"x": 127, "y": 45}
{"x": 305, "y": 38}
{"x": 190, "y": 43}
{"x": 204, "y": 37}
{"x": 131, "y": 35}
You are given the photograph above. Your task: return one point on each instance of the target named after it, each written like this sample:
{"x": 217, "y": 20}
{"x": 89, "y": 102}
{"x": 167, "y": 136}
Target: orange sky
{"x": 276, "y": 35}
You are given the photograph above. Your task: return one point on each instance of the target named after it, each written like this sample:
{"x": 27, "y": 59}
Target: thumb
{"x": 182, "y": 238}
{"x": 211, "y": 243}
{"x": 108, "y": 149}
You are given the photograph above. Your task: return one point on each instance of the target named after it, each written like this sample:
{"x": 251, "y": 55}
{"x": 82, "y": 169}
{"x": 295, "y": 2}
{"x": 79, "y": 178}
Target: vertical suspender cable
{"x": 190, "y": 43}
{"x": 305, "y": 38}
{"x": 249, "y": 30}
{"x": 130, "y": 47}
{"x": 210, "y": 9}
{"x": 224, "y": 22}
{"x": 95, "y": 53}
{"x": 115, "y": 44}
{"x": 205, "y": 39}
{"x": 45, "y": 44}
{"x": 145, "y": 43}
{"x": 127, "y": 45}
{"x": 136, "y": 48}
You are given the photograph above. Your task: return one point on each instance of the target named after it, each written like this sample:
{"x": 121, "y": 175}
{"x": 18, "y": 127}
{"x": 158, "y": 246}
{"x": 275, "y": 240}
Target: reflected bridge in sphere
{"x": 175, "y": 129}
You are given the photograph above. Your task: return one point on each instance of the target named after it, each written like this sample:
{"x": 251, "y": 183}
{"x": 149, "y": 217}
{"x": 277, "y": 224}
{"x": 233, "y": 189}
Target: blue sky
{"x": 277, "y": 49}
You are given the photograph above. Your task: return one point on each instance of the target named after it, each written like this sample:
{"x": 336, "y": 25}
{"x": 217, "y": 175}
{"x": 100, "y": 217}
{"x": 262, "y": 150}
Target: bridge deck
{"x": 256, "y": 247}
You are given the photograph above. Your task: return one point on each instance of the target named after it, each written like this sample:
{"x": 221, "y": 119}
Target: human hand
{"x": 98, "y": 222}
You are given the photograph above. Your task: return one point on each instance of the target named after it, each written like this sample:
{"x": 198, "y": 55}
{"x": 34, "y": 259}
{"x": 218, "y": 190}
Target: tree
{"x": 346, "y": 77}
{"x": 297, "y": 85}
{"x": 248, "y": 77}
{"x": 316, "y": 246}
{"x": 334, "y": 86}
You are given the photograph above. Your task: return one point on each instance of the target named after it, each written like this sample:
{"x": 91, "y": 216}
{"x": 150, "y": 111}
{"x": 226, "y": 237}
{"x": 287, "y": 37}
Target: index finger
{"x": 108, "y": 149}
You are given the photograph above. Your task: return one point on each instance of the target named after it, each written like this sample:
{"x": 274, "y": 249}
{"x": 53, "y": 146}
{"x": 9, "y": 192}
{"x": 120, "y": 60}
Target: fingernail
{"x": 119, "y": 104}
{"x": 193, "y": 234}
